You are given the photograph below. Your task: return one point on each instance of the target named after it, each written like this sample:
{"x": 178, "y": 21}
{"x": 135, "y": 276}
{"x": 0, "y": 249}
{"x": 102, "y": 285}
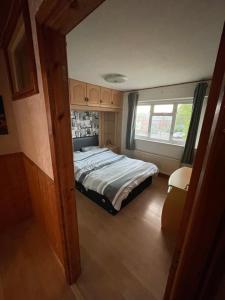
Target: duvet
{"x": 110, "y": 174}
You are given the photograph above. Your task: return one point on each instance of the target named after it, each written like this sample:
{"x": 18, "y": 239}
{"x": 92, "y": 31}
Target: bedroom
{"x": 112, "y": 149}
{"x": 106, "y": 72}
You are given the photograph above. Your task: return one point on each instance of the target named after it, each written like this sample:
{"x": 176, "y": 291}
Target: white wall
{"x": 30, "y": 113}
{"x": 166, "y": 156}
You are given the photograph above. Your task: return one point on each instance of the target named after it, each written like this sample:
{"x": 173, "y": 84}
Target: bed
{"x": 109, "y": 179}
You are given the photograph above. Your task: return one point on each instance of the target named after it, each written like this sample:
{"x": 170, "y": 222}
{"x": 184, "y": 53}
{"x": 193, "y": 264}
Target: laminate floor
{"x": 28, "y": 268}
{"x": 124, "y": 257}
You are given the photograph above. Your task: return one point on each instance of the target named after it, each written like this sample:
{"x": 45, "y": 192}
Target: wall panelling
{"x": 43, "y": 199}
{"x": 14, "y": 194}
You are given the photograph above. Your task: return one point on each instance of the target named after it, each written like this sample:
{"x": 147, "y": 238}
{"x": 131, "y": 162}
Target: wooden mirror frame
{"x": 20, "y": 9}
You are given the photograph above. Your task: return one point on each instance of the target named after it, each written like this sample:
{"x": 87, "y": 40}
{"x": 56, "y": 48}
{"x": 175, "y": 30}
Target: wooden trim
{"x": 102, "y": 130}
{"x": 62, "y": 16}
{"x": 24, "y": 94}
{"x": 213, "y": 286}
{"x": 93, "y": 108}
{"x": 8, "y": 155}
{"x": 54, "y": 19}
{"x": 116, "y": 130}
{"x": 188, "y": 264}
{"x": 52, "y": 48}
{"x": 101, "y": 125}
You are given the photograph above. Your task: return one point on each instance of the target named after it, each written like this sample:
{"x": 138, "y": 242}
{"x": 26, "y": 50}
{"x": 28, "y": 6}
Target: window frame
{"x": 152, "y": 103}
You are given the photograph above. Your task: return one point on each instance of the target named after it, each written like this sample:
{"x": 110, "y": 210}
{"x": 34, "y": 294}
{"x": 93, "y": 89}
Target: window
{"x": 164, "y": 122}
{"x": 142, "y": 120}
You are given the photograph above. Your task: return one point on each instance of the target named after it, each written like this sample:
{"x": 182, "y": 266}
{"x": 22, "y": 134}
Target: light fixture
{"x": 115, "y": 78}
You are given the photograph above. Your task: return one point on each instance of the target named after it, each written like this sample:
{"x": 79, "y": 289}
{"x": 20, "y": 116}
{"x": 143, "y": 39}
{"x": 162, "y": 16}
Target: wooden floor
{"x": 124, "y": 256}
{"x": 28, "y": 268}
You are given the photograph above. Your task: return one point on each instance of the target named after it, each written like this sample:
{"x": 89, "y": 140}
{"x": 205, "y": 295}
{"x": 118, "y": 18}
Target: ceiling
{"x": 152, "y": 42}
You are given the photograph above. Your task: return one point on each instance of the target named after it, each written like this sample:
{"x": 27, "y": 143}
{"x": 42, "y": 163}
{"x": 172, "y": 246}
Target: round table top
{"x": 181, "y": 178}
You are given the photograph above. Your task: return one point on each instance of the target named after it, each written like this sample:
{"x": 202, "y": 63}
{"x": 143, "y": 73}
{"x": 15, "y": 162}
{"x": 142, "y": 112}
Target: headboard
{"x": 86, "y": 141}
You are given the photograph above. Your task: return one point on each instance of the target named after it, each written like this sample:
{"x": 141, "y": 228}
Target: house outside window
{"x": 165, "y": 121}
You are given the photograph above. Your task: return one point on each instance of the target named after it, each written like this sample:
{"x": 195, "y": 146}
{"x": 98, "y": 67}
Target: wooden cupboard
{"x": 93, "y": 95}
{"x": 106, "y": 97}
{"x": 110, "y": 123}
{"x": 89, "y": 95}
{"x": 116, "y": 98}
{"x": 78, "y": 91}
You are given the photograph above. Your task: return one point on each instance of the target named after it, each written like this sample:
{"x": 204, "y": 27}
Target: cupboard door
{"x": 116, "y": 99}
{"x": 77, "y": 92}
{"x": 106, "y": 97}
{"x": 93, "y": 95}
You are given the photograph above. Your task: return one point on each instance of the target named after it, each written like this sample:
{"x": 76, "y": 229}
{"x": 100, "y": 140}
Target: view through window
{"x": 168, "y": 122}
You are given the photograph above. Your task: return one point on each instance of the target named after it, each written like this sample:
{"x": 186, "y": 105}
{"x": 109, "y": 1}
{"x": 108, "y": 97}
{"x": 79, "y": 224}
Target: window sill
{"x": 158, "y": 142}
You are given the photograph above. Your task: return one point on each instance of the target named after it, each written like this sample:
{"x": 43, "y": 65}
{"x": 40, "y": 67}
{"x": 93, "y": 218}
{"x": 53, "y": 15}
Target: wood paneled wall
{"x": 109, "y": 127}
{"x": 43, "y": 199}
{"x": 14, "y": 194}
{"x": 25, "y": 190}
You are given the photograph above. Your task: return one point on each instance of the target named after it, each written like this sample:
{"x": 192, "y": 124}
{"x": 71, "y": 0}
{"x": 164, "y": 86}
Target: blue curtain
{"x": 189, "y": 148}
{"x": 131, "y": 119}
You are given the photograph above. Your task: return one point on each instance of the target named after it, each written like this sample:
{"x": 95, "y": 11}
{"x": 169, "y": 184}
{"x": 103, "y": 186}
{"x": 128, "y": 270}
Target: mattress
{"x": 109, "y": 174}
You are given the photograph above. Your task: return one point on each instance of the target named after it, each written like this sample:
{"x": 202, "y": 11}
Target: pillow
{"x": 85, "y": 149}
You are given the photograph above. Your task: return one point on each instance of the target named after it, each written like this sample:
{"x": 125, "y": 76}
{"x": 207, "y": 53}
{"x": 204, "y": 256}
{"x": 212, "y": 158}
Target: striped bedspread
{"x": 110, "y": 174}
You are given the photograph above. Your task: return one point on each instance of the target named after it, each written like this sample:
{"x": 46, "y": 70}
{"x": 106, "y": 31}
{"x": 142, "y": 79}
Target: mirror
{"x": 21, "y": 60}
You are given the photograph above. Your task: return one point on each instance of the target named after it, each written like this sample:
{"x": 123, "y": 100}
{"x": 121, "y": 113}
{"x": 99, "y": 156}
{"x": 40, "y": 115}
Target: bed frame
{"x": 86, "y": 141}
{"x": 105, "y": 203}
{"x": 101, "y": 200}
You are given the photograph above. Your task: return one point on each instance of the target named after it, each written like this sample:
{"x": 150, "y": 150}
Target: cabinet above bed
{"x": 92, "y": 97}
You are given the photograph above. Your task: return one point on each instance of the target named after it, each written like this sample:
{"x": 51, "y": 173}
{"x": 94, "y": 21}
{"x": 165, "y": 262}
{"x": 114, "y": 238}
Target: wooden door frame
{"x": 202, "y": 218}
{"x": 54, "y": 20}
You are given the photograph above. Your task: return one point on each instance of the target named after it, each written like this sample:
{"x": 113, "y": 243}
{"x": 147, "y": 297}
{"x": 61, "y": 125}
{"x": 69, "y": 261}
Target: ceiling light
{"x": 115, "y": 78}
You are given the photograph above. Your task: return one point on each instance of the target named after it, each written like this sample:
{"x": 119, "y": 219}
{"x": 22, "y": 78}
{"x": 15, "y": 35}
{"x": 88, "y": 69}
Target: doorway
{"x": 52, "y": 26}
